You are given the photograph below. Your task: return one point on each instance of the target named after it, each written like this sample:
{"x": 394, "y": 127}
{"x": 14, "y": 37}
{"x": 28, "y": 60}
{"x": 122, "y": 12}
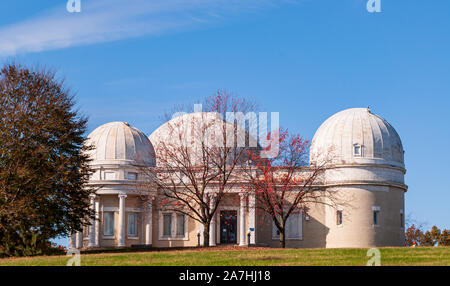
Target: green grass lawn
{"x": 235, "y": 256}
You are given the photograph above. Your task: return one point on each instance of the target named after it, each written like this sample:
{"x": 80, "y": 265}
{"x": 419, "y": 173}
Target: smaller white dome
{"x": 357, "y": 136}
{"x": 120, "y": 143}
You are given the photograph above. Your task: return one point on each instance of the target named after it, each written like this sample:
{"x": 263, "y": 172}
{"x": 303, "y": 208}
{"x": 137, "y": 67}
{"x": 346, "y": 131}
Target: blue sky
{"x": 132, "y": 60}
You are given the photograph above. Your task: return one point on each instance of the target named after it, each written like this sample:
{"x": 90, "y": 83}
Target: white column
{"x": 73, "y": 240}
{"x": 79, "y": 239}
{"x": 242, "y": 230}
{"x": 97, "y": 223}
{"x": 121, "y": 238}
{"x": 252, "y": 217}
{"x": 92, "y": 225}
{"x": 148, "y": 222}
{"x": 212, "y": 226}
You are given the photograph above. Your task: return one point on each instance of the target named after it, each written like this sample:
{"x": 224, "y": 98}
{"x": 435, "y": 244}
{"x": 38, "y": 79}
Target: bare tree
{"x": 286, "y": 183}
{"x": 198, "y": 156}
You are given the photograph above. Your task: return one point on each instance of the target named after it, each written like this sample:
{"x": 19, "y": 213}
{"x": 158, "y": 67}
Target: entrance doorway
{"x": 228, "y": 227}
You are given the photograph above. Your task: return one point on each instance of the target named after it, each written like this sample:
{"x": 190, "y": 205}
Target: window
{"x": 180, "y": 225}
{"x": 172, "y": 225}
{"x": 402, "y": 219}
{"x": 110, "y": 176}
{"x": 357, "y": 150}
{"x": 132, "y": 176}
{"x": 167, "y": 225}
{"x": 339, "y": 217}
{"x": 375, "y": 217}
{"x": 293, "y": 227}
{"x": 132, "y": 224}
{"x": 108, "y": 223}
{"x": 275, "y": 231}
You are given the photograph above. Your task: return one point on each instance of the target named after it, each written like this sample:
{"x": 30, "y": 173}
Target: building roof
{"x": 120, "y": 143}
{"x": 358, "y": 136}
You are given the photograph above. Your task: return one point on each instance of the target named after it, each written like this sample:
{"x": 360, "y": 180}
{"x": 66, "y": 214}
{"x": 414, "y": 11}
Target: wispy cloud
{"x": 111, "y": 20}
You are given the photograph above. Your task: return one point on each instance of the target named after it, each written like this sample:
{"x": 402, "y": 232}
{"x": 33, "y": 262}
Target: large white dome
{"x": 186, "y": 130}
{"x": 194, "y": 129}
{"x": 120, "y": 143}
{"x": 357, "y": 136}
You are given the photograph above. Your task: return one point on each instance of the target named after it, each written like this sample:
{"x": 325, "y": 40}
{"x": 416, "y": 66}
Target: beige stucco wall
{"x": 190, "y": 240}
{"x": 319, "y": 231}
{"x": 357, "y": 229}
{"x": 313, "y": 230}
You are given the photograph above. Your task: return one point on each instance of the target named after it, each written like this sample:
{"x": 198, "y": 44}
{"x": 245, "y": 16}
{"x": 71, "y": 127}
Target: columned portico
{"x": 121, "y": 230}
{"x": 242, "y": 232}
{"x": 212, "y": 226}
{"x": 92, "y": 225}
{"x": 148, "y": 222}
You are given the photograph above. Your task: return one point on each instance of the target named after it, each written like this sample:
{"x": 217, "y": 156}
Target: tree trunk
{"x": 206, "y": 235}
{"x": 282, "y": 239}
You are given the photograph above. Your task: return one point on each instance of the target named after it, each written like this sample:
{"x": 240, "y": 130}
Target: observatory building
{"x": 366, "y": 174}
